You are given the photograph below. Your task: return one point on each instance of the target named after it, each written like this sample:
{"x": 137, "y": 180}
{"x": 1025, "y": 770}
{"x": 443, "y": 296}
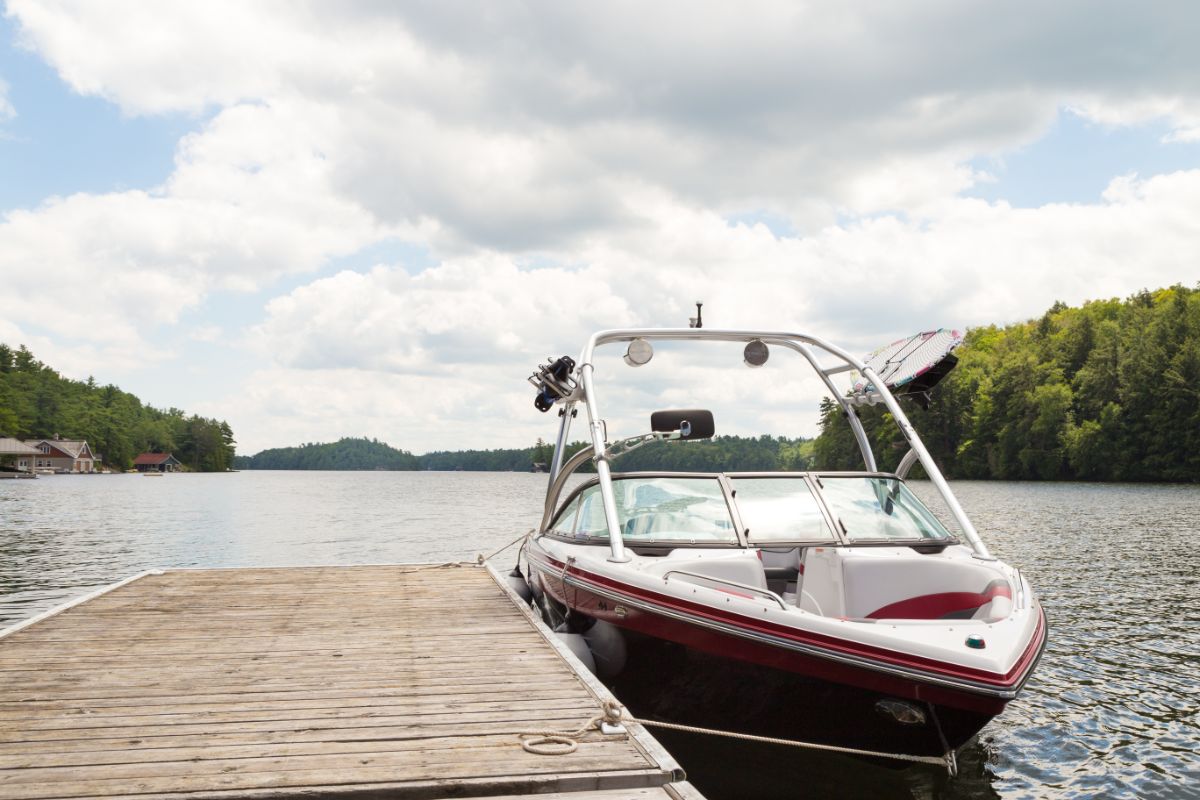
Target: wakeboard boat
{"x": 812, "y": 580}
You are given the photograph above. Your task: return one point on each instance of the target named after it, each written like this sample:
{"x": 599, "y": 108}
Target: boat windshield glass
{"x": 879, "y": 508}
{"x": 662, "y": 509}
{"x": 780, "y": 510}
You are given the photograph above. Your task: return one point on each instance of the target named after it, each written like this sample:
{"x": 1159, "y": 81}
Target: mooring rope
{"x": 443, "y": 565}
{"x": 481, "y": 558}
{"x": 554, "y": 743}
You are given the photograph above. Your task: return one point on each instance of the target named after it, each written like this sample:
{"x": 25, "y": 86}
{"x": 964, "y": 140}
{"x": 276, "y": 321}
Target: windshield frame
{"x": 739, "y": 539}
{"x": 837, "y": 539}
{"x": 726, "y": 481}
{"x": 908, "y": 541}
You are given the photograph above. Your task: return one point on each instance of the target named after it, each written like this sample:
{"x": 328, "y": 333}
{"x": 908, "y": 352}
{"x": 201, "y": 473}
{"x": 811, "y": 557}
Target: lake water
{"x": 1112, "y": 711}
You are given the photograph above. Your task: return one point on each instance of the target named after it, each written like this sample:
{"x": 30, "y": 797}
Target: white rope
{"x": 444, "y": 565}
{"x": 564, "y": 742}
{"x": 557, "y": 743}
{"x": 480, "y": 557}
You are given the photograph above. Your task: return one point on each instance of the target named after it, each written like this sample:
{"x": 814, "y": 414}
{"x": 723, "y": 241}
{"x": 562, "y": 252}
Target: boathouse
{"x": 16, "y": 455}
{"x": 63, "y": 455}
{"x": 157, "y": 462}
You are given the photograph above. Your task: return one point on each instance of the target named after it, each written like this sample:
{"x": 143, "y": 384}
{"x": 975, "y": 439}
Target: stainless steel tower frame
{"x": 808, "y": 347}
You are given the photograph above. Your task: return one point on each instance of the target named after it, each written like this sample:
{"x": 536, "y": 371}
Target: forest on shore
{"x": 1107, "y": 392}
{"x": 38, "y": 403}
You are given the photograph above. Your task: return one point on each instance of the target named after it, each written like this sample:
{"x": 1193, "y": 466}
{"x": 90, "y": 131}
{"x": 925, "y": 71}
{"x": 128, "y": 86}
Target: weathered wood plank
{"x": 239, "y": 693}
{"x": 461, "y": 755}
{"x": 330, "y": 698}
{"x": 275, "y": 773}
{"x": 204, "y": 748}
{"x": 144, "y": 747}
{"x": 32, "y": 729}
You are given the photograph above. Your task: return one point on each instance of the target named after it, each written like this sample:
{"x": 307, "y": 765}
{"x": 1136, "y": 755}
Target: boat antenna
{"x": 696, "y": 321}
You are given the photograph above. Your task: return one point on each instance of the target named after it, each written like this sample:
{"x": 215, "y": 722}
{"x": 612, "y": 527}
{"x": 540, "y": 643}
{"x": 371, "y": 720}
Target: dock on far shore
{"x": 402, "y": 681}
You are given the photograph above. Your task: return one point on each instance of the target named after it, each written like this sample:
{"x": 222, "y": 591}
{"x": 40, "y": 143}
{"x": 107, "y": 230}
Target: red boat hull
{"x": 730, "y": 636}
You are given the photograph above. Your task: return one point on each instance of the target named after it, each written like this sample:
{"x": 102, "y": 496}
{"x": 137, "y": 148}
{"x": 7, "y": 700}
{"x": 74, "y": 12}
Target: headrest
{"x": 699, "y": 421}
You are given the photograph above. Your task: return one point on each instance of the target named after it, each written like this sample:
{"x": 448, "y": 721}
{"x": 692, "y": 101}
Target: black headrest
{"x": 701, "y": 422}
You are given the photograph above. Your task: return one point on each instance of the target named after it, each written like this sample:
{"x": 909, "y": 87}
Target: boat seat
{"x": 952, "y": 605}
{"x": 998, "y": 608}
{"x": 889, "y": 586}
{"x": 781, "y": 564}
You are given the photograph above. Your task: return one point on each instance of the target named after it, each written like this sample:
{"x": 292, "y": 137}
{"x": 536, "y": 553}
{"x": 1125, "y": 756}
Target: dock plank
{"x": 405, "y": 682}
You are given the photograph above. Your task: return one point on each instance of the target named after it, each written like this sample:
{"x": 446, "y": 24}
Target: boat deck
{"x": 389, "y": 681}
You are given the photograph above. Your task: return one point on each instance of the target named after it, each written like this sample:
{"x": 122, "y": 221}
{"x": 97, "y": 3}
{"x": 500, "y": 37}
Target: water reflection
{"x": 1111, "y": 712}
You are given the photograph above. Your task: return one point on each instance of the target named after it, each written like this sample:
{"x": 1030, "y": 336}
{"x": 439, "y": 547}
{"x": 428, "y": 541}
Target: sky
{"x": 339, "y": 219}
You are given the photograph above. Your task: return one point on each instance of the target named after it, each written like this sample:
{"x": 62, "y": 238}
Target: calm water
{"x": 1113, "y": 710}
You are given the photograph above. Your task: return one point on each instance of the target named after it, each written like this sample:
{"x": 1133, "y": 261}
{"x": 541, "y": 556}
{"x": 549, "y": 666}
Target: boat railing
{"x": 743, "y": 586}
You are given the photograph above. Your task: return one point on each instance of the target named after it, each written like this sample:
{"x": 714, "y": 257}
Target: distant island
{"x": 38, "y": 403}
{"x": 722, "y": 453}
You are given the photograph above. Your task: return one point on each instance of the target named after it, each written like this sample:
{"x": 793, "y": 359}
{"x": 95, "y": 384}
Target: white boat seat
{"x": 923, "y": 587}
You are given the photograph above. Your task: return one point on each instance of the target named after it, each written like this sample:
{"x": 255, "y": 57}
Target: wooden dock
{"x": 363, "y": 682}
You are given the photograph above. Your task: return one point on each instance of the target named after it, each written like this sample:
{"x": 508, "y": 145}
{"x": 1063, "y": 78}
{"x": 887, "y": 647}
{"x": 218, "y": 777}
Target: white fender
{"x": 607, "y": 644}
{"x": 579, "y": 648}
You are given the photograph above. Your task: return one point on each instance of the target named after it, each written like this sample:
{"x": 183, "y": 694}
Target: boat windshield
{"x": 653, "y": 509}
{"x": 780, "y": 509}
{"x": 876, "y": 509}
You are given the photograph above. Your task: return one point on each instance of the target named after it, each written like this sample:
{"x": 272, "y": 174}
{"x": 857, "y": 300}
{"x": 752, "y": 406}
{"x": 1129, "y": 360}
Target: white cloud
{"x": 527, "y": 129}
{"x": 206, "y": 333}
{"x": 608, "y": 147}
{"x": 126, "y": 263}
{"x": 78, "y": 360}
{"x": 1181, "y": 111}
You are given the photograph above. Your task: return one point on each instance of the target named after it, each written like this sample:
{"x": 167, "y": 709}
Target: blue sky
{"x": 61, "y": 142}
{"x": 1074, "y": 160}
{"x": 383, "y": 244}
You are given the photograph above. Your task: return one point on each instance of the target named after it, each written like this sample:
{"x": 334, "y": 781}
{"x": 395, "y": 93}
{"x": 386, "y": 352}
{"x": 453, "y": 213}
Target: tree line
{"x": 36, "y": 403}
{"x": 724, "y": 453}
{"x": 1109, "y": 391}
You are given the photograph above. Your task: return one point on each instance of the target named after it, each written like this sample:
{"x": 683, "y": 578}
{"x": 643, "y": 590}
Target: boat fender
{"x": 576, "y": 644}
{"x": 607, "y": 644}
{"x": 516, "y": 582}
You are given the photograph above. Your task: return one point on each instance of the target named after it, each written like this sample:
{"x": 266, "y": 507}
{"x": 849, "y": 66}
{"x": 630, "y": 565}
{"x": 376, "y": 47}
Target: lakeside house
{"x": 15, "y": 454}
{"x": 157, "y": 462}
{"x": 62, "y": 455}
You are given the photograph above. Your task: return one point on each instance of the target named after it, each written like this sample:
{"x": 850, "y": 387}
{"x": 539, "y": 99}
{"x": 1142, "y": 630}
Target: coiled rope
{"x": 554, "y": 743}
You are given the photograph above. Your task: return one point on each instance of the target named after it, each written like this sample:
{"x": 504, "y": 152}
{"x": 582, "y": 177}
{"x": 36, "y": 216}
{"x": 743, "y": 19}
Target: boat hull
{"x": 962, "y": 708}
